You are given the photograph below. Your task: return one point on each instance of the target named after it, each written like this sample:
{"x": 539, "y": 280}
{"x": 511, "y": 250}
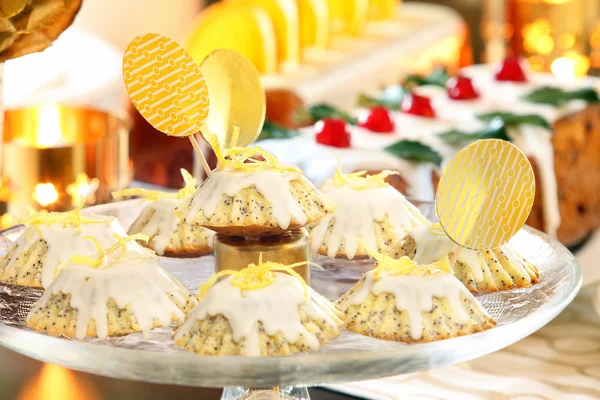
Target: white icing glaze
{"x": 451, "y": 114}
{"x": 432, "y": 247}
{"x": 273, "y": 185}
{"x": 414, "y": 294}
{"x": 135, "y": 280}
{"x": 164, "y": 221}
{"x": 67, "y": 241}
{"x": 276, "y": 306}
{"x": 357, "y": 212}
{"x": 318, "y": 163}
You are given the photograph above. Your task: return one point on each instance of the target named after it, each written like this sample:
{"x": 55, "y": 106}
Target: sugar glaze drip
{"x": 413, "y": 294}
{"x": 273, "y": 185}
{"x": 137, "y": 281}
{"x": 276, "y": 306}
{"x": 357, "y": 212}
{"x": 65, "y": 241}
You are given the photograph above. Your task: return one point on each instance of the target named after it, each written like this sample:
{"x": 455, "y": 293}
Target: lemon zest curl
{"x": 190, "y": 186}
{"x": 102, "y": 254}
{"x": 255, "y": 277}
{"x": 359, "y": 180}
{"x": 403, "y": 265}
{"x": 250, "y": 159}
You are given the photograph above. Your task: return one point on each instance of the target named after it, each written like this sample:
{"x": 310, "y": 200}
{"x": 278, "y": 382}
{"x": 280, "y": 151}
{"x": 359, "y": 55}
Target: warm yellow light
{"x": 49, "y": 132}
{"x": 45, "y": 194}
{"x": 545, "y": 45}
{"x": 595, "y": 36}
{"x": 566, "y": 41}
{"x": 82, "y": 188}
{"x": 58, "y": 383}
{"x": 536, "y": 62}
{"x": 348, "y": 17}
{"x": 6, "y": 221}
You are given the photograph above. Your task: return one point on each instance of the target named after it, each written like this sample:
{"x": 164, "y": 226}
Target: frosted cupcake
{"x": 500, "y": 268}
{"x": 368, "y": 209}
{"x": 53, "y": 238}
{"x": 114, "y": 294}
{"x": 250, "y": 194}
{"x": 262, "y": 310}
{"x": 403, "y": 301}
{"x": 168, "y": 234}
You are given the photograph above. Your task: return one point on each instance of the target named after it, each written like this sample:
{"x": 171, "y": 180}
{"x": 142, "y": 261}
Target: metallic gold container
{"x": 57, "y": 148}
{"x": 232, "y": 252}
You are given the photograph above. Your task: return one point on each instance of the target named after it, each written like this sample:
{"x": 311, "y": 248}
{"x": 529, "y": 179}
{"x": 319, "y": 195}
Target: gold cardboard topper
{"x": 165, "y": 85}
{"x": 485, "y": 194}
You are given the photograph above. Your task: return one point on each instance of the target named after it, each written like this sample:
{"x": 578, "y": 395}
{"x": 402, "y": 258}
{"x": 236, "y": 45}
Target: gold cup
{"x": 55, "y": 144}
{"x": 236, "y": 253}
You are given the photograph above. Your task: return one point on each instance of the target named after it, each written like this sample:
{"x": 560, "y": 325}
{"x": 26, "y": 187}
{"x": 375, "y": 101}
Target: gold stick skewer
{"x": 203, "y": 161}
{"x": 455, "y": 256}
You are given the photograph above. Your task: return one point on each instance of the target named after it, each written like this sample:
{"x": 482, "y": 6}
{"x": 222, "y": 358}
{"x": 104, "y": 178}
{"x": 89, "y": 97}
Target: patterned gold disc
{"x": 485, "y": 194}
{"x": 165, "y": 85}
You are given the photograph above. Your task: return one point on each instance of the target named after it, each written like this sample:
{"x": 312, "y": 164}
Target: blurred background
{"x": 71, "y": 135}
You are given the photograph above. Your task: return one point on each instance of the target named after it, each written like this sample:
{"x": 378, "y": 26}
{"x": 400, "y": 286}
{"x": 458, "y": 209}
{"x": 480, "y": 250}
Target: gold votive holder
{"x": 56, "y": 156}
{"x": 236, "y": 253}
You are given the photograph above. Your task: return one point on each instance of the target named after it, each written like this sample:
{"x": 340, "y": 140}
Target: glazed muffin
{"x": 368, "y": 209}
{"x": 113, "y": 295}
{"x": 53, "y": 238}
{"x": 262, "y": 310}
{"x": 403, "y": 301}
{"x": 500, "y": 268}
{"x": 168, "y": 234}
{"x": 250, "y": 194}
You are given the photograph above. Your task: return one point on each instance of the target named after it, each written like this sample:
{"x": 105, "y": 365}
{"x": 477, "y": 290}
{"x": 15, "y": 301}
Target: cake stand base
{"x": 276, "y": 393}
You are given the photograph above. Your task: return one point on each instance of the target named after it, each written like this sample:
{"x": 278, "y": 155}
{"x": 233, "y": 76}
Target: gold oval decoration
{"x": 485, "y": 194}
{"x": 237, "y": 98}
{"x": 165, "y": 85}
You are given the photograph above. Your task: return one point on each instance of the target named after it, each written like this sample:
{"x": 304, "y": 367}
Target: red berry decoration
{"x": 417, "y": 105}
{"x": 332, "y": 132}
{"x": 511, "y": 71}
{"x": 377, "y": 119}
{"x": 461, "y": 88}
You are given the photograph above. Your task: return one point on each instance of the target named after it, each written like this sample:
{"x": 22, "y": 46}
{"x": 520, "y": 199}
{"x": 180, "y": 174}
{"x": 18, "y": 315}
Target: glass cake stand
{"x": 350, "y": 357}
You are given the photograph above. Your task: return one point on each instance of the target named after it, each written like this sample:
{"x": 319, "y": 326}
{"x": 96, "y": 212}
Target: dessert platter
{"x": 305, "y": 286}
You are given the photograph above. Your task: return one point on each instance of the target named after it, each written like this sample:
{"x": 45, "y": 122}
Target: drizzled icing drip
{"x": 66, "y": 241}
{"x": 276, "y": 306}
{"x": 164, "y": 221}
{"x": 413, "y": 294}
{"x": 432, "y": 244}
{"x": 273, "y": 185}
{"x": 137, "y": 281}
{"x": 357, "y": 212}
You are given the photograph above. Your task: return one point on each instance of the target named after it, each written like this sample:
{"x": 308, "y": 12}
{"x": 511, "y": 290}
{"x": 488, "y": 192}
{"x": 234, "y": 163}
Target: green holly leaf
{"x": 495, "y": 130}
{"x": 556, "y": 96}
{"x": 511, "y": 119}
{"x": 415, "y": 151}
{"x": 318, "y": 112}
{"x": 271, "y": 130}
{"x": 391, "y": 98}
{"x": 438, "y": 77}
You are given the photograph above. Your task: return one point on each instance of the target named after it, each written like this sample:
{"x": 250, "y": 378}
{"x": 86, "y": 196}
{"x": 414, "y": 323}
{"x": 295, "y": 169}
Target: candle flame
{"x": 49, "y": 132}
{"x": 82, "y": 189}
{"x": 58, "y": 383}
{"x": 45, "y": 194}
